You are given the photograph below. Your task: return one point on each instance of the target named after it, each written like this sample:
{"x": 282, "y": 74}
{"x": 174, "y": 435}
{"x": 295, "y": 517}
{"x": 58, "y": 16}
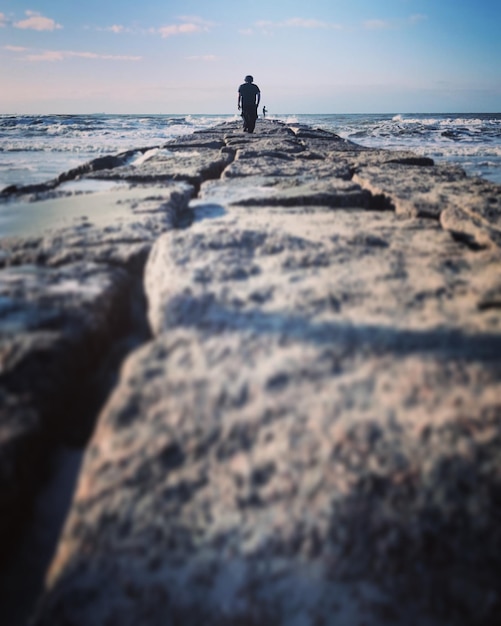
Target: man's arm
{"x": 239, "y": 99}
{"x": 258, "y": 98}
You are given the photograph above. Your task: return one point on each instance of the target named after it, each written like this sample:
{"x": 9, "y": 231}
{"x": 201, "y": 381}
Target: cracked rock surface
{"x": 312, "y": 433}
{"x": 68, "y": 298}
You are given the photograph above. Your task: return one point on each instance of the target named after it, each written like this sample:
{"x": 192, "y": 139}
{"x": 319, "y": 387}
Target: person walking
{"x": 249, "y": 96}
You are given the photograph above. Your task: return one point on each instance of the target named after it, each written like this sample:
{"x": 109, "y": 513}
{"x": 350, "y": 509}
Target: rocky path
{"x": 306, "y": 428}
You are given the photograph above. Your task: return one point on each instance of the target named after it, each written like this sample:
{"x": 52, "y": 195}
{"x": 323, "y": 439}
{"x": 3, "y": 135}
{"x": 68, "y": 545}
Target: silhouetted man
{"x": 249, "y": 97}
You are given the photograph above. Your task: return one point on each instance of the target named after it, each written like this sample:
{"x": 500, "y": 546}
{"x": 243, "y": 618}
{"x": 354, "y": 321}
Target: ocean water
{"x": 36, "y": 148}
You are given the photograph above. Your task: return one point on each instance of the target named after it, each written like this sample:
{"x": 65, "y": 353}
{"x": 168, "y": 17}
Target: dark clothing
{"x": 249, "y": 113}
{"x": 249, "y": 93}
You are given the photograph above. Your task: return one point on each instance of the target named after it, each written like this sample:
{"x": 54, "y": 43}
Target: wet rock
{"x": 117, "y": 226}
{"x": 101, "y": 163}
{"x": 128, "y": 240}
{"x": 375, "y": 157}
{"x": 303, "y": 131}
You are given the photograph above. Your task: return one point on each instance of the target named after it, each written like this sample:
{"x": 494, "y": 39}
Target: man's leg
{"x": 245, "y": 115}
{"x": 251, "y": 117}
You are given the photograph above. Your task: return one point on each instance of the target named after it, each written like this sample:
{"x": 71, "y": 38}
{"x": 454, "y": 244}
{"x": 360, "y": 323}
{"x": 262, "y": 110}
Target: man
{"x": 249, "y": 97}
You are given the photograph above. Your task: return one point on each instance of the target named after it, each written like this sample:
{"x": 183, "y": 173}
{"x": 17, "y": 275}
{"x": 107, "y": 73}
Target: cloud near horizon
{"x": 15, "y": 48}
{"x": 36, "y": 21}
{"x": 60, "y": 55}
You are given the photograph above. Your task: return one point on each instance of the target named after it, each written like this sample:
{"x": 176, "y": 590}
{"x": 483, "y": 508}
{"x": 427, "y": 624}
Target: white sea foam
{"x": 37, "y": 148}
{"x": 138, "y": 158}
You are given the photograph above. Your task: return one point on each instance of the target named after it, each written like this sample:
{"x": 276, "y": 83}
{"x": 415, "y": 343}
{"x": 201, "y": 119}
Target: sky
{"x": 307, "y": 56}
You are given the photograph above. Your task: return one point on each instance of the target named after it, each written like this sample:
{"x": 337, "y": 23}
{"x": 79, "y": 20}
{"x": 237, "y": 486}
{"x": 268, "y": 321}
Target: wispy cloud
{"x": 117, "y": 28}
{"x": 46, "y": 55}
{"x": 179, "y": 29}
{"x": 120, "y": 29}
{"x": 267, "y": 27}
{"x": 15, "y": 48}
{"x": 377, "y": 24}
{"x": 3, "y": 20}
{"x": 300, "y": 22}
{"x": 36, "y": 21}
{"x": 418, "y": 17}
{"x": 189, "y": 24}
{"x": 382, "y": 24}
{"x": 35, "y": 55}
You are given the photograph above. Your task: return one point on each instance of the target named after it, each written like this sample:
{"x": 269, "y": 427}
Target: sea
{"x": 36, "y": 148}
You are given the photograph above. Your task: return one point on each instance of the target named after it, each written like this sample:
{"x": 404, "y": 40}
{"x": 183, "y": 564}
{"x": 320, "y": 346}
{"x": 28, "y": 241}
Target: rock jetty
{"x": 282, "y": 352}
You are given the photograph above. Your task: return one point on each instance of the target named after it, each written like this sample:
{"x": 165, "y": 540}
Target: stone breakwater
{"x": 293, "y": 347}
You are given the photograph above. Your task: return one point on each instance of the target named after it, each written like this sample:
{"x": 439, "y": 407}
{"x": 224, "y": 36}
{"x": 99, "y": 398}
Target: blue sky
{"x": 307, "y": 56}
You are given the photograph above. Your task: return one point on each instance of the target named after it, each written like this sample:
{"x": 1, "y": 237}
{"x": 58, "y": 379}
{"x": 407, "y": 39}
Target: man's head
{"x": 249, "y": 79}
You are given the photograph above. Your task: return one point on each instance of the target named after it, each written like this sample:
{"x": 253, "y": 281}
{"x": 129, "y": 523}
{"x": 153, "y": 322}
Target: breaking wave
{"x": 37, "y": 147}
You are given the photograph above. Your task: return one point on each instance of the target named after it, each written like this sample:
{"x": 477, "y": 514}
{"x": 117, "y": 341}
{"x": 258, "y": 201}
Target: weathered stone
{"x": 19, "y": 250}
{"x": 369, "y": 268}
{"x": 229, "y": 469}
{"x": 303, "y": 131}
{"x": 373, "y": 157}
{"x": 55, "y": 325}
{"x": 288, "y": 148}
{"x": 286, "y": 191}
{"x": 475, "y": 214}
{"x": 469, "y": 208}
{"x": 313, "y": 433}
{"x": 413, "y": 191}
{"x": 268, "y": 165}
{"x": 210, "y": 141}
{"x": 166, "y": 164}
{"x": 101, "y": 163}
